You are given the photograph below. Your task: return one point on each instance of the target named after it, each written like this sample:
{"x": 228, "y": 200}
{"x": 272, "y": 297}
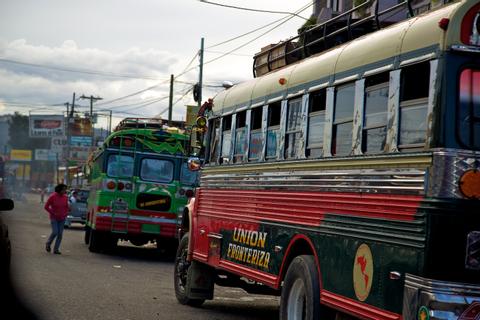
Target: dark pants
{"x": 57, "y": 232}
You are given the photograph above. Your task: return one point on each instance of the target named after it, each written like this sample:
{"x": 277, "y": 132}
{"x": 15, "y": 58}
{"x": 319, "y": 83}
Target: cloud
{"x": 135, "y": 62}
{"x": 28, "y": 84}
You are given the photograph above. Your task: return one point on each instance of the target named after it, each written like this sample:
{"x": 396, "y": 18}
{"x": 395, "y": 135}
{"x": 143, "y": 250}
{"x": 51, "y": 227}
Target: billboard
{"x": 79, "y": 154}
{"x": 45, "y": 155}
{"x": 58, "y": 143}
{"x": 20, "y": 155}
{"x": 45, "y": 126}
{"x": 192, "y": 112}
{"x": 80, "y": 127}
{"x": 81, "y": 141}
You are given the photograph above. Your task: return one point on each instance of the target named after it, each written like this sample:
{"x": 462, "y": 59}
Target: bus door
{"x": 120, "y": 171}
{"x": 155, "y": 188}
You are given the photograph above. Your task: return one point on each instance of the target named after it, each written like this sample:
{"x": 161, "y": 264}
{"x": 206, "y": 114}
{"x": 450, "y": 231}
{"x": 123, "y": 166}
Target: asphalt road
{"x": 132, "y": 283}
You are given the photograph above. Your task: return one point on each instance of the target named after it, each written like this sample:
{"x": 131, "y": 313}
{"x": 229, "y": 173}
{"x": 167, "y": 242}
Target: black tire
{"x": 95, "y": 242}
{"x": 180, "y": 275}
{"x": 86, "y": 238}
{"x": 300, "y": 298}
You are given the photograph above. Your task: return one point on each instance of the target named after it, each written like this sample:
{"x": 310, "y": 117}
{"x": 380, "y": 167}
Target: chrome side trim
{"x": 448, "y": 167}
{"x": 360, "y": 180}
{"x": 443, "y": 299}
{"x": 461, "y": 48}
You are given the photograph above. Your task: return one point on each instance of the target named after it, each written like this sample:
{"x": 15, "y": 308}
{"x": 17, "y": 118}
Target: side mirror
{"x": 6, "y": 204}
{"x": 194, "y": 164}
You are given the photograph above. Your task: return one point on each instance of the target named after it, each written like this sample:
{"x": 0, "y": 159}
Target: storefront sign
{"x": 44, "y": 126}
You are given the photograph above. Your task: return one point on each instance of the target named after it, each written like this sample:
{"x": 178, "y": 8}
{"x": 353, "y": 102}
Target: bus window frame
{"x": 251, "y": 116}
{"x": 278, "y": 106}
{"x": 310, "y": 115}
{"x": 140, "y": 166}
{"x": 213, "y": 136}
{"x": 240, "y": 157}
{"x": 225, "y": 158}
{"x": 120, "y": 154}
{"x": 376, "y": 125}
{"x": 427, "y": 101}
{"x": 297, "y": 153}
{"x": 341, "y": 121}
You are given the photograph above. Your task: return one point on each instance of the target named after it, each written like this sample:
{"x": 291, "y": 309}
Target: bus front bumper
{"x": 432, "y": 299}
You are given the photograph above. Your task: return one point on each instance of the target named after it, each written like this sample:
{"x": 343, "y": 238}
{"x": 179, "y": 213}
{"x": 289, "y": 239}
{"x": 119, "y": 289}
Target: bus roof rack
{"x": 148, "y": 123}
{"x": 365, "y": 18}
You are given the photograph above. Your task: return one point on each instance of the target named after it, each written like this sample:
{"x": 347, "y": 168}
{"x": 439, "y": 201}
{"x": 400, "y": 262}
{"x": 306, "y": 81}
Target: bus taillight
{"x": 470, "y": 30}
{"x": 103, "y": 209}
{"x": 469, "y": 184}
{"x": 120, "y": 186}
{"x": 111, "y": 185}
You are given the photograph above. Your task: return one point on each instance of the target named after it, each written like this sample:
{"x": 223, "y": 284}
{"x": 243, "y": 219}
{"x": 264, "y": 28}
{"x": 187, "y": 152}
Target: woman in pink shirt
{"x": 57, "y": 207}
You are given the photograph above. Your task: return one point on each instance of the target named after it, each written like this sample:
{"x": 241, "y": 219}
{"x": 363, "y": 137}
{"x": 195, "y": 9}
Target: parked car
{"x": 78, "y": 207}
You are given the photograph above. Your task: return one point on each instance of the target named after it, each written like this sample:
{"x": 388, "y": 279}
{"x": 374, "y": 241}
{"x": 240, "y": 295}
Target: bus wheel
{"x": 180, "y": 275}
{"x": 86, "y": 238}
{"x": 300, "y": 298}
{"x": 95, "y": 242}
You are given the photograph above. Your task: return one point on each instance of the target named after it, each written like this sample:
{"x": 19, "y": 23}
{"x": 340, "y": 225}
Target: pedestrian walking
{"x": 42, "y": 194}
{"x": 57, "y": 207}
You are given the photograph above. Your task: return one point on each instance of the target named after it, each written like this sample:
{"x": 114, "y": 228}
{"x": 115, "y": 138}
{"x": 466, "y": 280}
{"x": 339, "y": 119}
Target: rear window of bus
{"x": 120, "y": 165}
{"x": 156, "y": 170}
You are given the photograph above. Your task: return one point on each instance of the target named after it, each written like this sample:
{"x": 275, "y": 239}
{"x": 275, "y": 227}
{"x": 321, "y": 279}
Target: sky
{"x": 111, "y": 49}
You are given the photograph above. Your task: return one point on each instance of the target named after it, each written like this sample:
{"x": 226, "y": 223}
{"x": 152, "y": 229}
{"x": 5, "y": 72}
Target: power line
{"x": 248, "y": 42}
{"x": 85, "y": 71}
{"x": 251, "y": 9}
{"x": 306, "y": 6}
{"x": 151, "y": 87}
{"x": 233, "y": 54}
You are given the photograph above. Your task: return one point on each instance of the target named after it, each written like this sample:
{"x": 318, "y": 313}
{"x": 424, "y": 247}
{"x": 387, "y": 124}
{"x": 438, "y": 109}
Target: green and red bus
{"x": 139, "y": 184}
{"x": 348, "y": 182}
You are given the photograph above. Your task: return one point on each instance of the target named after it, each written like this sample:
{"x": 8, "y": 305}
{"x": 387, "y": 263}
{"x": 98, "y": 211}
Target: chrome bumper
{"x": 440, "y": 299}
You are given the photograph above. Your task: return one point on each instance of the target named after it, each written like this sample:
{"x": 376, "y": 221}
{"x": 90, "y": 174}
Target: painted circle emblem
{"x": 362, "y": 272}
{"x": 423, "y": 313}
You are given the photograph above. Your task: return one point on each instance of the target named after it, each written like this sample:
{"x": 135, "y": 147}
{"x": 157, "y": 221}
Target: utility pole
{"x": 110, "y": 123}
{"x": 170, "y": 100}
{"x": 200, "y": 76}
{"x": 91, "y": 98}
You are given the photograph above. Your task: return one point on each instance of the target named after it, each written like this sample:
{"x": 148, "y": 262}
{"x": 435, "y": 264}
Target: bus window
{"x": 375, "y": 115}
{"x": 316, "y": 123}
{"x": 188, "y": 176}
{"x": 273, "y": 129}
{"x": 343, "y": 120}
{"x": 415, "y": 82}
{"x": 240, "y": 139}
{"x": 226, "y": 138}
{"x": 255, "y": 150}
{"x": 156, "y": 170}
{"x": 120, "y": 166}
{"x": 294, "y": 128}
{"x": 214, "y": 140}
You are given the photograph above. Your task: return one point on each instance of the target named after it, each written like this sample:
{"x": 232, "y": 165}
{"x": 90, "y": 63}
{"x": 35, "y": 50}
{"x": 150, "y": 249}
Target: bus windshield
{"x": 120, "y": 165}
{"x": 156, "y": 170}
